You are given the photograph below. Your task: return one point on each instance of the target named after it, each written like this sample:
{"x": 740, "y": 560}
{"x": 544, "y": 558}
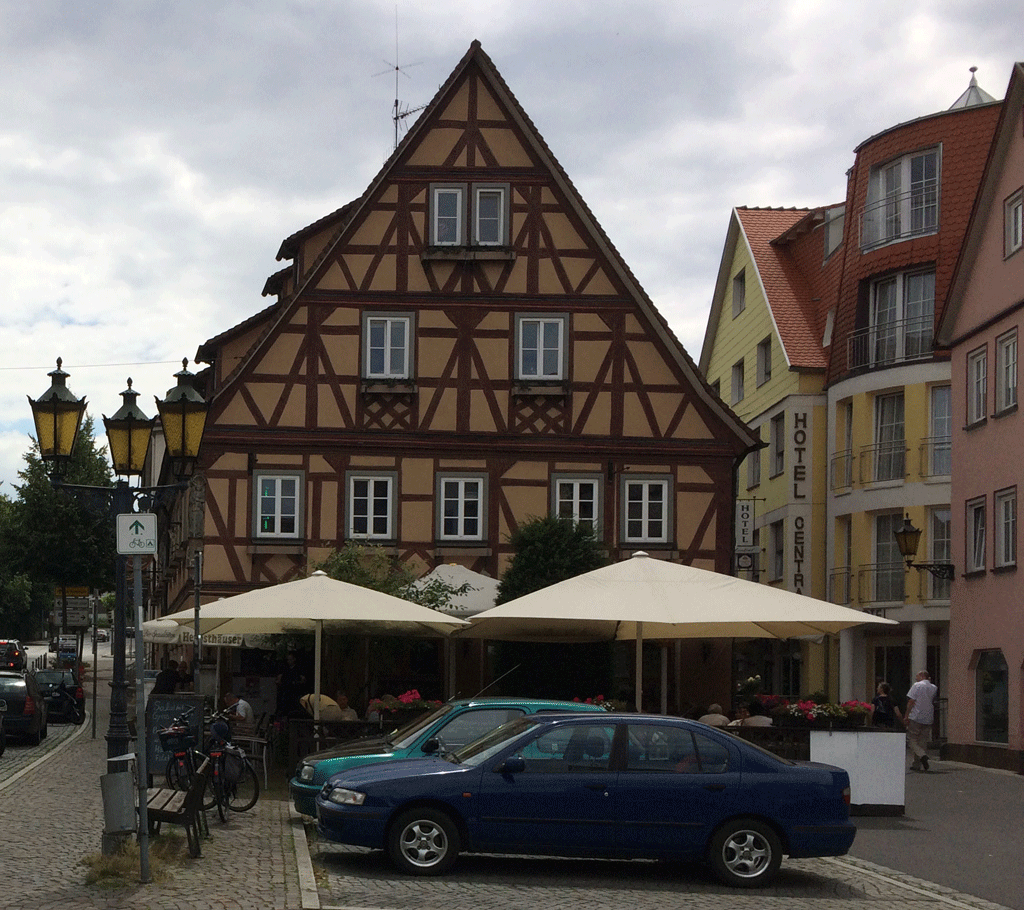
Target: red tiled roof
{"x": 789, "y": 294}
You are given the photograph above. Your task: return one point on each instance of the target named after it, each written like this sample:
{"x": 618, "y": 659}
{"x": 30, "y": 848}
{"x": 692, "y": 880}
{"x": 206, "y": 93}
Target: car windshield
{"x": 405, "y": 736}
{"x": 11, "y": 686}
{"x": 481, "y": 750}
{"x": 46, "y": 677}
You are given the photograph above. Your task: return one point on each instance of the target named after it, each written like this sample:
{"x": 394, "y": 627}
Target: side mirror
{"x": 514, "y": 764}
{"x": 430, "y": 747}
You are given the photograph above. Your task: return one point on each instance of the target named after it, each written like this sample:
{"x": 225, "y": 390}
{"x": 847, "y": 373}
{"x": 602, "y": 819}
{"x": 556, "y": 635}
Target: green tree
{"x": 549, "y": 550}
{"x": 57, "y": 537}
{"x": 15, "y": 586}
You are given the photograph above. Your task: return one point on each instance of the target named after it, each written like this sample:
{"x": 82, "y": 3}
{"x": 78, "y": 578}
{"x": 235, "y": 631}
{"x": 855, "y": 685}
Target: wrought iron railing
{"x": 936, "y": 456}
{"x": 883, "y": 462}
{"x": 900, "y": 216}
{"x": 890, "y": 343}
{"x": 841, "y": 475}
{"x": 883, "y": 582}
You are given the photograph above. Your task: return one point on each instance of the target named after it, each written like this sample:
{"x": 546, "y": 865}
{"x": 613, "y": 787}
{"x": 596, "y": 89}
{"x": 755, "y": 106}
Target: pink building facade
{"x": 982, "y": 324}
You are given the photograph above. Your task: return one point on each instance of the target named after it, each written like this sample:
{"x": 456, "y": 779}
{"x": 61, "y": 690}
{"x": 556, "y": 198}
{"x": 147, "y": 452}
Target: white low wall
{"x": 876, "y": 763}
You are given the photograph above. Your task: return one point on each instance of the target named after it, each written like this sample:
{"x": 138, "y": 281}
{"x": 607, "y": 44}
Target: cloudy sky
{"x": 153, "y": 155}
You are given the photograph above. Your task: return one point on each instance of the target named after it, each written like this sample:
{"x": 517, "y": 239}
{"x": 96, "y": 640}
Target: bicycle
{"x": 234, "y": 783}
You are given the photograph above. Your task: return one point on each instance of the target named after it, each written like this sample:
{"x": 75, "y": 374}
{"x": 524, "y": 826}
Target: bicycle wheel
{"x": 177, "y": 773}
{"x": 243, "y": 794}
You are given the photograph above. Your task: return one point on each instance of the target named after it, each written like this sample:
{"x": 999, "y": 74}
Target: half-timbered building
{"x": 455, "y": 352}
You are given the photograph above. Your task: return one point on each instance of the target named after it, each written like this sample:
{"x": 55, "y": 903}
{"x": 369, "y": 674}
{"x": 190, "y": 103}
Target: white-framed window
{"x": 737, "y": 382}
{"x": 578, "y": 498}
{"x": 902, "y": 317}
{"x": 890, "y": 572}
{"x": 647, "y": 509}
{"x": 1014, "y": 218}
{"x": 278, "y": 504}
{"x": 974, "y": 527}
{"x": 1005, "y": 528}
{"x": 777, "y": 445}
{"x": 1006, "y": 371}
{"x": 371, "y": 505}
{"x": 461, "y": 506}
{"x": 777, "y": 543}
{"x": 739, "y": 292}
{"x": 890, "y": 438}
{"x": 941, "y": 431}
{"x": 903, "y": 199}
{"x": 754, "y": 469}
{"x": 447, "y": 215}
{"x": 541, "y": 347}
{"x": 490, "y": 215}
{"x": 940, "y": 549}
{"x": 977, "y": 385}
{"x": 484, "y": 207}
{"x": 387, "y": 346}
{"x": 764, "y": 361}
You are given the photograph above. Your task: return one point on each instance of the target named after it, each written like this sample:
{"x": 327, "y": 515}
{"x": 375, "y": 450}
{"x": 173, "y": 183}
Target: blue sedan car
{"x": 627, "y": 786}
{"x": 453, "y": 725}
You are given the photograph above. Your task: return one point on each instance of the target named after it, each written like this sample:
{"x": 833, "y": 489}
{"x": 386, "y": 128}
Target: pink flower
{"x": 410, "y": 696}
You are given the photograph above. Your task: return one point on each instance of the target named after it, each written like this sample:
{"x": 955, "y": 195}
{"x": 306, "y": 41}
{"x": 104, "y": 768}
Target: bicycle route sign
{"x": 136, "y": 534}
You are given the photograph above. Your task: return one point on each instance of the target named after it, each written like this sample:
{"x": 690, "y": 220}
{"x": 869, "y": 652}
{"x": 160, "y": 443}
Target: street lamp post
{"x": 57, "y": 414}
{"x": 907, "y": 539}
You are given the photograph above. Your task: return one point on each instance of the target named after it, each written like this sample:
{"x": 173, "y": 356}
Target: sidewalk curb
{"x": 307, "y": 880}
{"x": 56, "y": 750}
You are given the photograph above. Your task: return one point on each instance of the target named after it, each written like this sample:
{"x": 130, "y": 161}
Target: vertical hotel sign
{"x": 746, "y": 552}
{"x": 801, "y": 498}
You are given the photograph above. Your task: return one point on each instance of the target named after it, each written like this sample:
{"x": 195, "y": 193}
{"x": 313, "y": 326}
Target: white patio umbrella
{"x": 644, "y": 598}
{"x": 313, "y": 604}
{"x": 480, "y": 593}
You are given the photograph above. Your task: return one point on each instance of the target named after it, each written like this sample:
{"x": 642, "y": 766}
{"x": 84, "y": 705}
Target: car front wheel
{"x": 423, "y": 842}
{"x": 745, "y": 853}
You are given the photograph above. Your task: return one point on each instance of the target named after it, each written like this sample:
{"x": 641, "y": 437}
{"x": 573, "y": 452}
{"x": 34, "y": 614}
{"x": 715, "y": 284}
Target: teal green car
{"x": 452, "y": 726}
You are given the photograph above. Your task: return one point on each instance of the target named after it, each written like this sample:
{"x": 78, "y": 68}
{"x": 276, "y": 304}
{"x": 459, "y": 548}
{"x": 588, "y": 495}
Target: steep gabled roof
{"x": 789, "y": 296}
{"x": 349, "y": 215}
{"x": 1009, "y": 120}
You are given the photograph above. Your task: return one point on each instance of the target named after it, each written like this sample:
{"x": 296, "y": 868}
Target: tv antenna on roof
{"x": 399, "y": 112}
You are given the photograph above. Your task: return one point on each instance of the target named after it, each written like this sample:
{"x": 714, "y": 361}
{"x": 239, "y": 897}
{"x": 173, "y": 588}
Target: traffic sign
{"x": 136, "y": 533}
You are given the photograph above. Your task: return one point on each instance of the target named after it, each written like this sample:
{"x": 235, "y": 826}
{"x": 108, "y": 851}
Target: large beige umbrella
{"x": 313, "y": 604}
{"x": 644, "y": 598}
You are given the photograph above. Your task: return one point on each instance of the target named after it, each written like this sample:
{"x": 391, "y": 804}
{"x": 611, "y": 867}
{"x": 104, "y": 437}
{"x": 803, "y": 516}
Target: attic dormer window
{"x": 469, "y": 215}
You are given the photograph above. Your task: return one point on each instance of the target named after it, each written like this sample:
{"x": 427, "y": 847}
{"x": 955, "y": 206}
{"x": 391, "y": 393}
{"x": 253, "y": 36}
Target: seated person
{"x": 714, "y": 717}
{"x": 335, "y": 711}
{"x": 758, "y": 717}
{"x": 243, "y": 720}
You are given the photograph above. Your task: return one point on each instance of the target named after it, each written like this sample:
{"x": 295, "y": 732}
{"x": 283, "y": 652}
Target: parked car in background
{"x": 100, "y": 635}
{"x": 621, "y": 785}
{"x": 26, "y": 707}
{"x": 449, "y": 727}
{"x": 12, "y": 654}
{"x": 49, "y": 685}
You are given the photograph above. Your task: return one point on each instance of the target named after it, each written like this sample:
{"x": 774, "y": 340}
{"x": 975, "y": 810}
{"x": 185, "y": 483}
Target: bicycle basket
{"x": 174, "y": 739}
{"x": 234, "y": 763}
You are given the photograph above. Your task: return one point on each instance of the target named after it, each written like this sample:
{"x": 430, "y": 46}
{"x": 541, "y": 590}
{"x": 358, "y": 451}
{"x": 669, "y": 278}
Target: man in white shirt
{"x": 920, "y": 717}
{"x": 243, "y": 720}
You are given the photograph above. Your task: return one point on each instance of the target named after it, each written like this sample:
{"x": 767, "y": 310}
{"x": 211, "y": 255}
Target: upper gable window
{"x": 1014, "y": 214}
{"x": 739, "y": 293}
{"x": 903, "y": 199}
{"x": 387, "y": 346}
{"x": 474, "y": 214}
{"x": 540, "y": 347}
{"x": 447, "y": 223}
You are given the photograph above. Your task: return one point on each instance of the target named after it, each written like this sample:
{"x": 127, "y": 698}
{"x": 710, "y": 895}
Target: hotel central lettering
{"x": 801, "y": 480}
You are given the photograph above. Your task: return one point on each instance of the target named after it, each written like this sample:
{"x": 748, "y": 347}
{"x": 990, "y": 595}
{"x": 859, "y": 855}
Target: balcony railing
{"x": 841, "y": 476}
{"x": 839, "y": 586}
{"x": 900, "y": 216}
{"x": 882, "y": 583}
{"x": 892, "y": 342}
{"x": 883, "y": 462}
{"x": 936, "y": 456}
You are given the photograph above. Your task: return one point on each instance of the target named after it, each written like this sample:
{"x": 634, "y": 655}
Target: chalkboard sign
{"x": 160, "y": 711}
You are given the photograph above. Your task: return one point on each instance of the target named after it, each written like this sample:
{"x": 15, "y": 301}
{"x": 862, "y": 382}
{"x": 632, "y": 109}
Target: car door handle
{"x": 714, "y": 788}
{"x": 598, "y": 787}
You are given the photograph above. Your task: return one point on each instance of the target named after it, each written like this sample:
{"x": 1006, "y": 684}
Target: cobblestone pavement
{"x": 268, "y": 859}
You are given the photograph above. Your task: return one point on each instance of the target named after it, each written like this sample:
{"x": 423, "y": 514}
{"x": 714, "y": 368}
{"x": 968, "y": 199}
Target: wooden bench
{"x": 180, "y": 807}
